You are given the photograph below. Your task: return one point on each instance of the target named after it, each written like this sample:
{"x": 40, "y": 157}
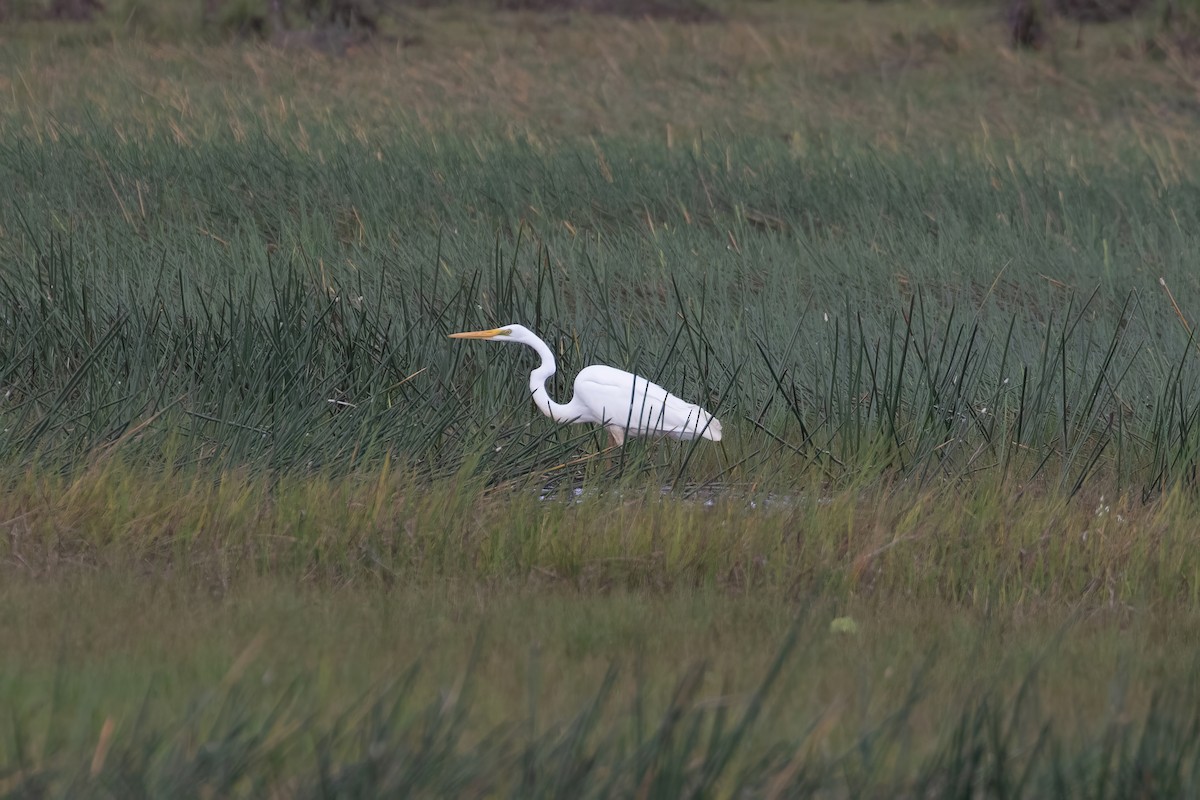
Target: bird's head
{"x": 509, "y": 333}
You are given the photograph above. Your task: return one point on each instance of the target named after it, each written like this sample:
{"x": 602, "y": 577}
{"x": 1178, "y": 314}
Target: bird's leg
{"x": 616, "y": 438}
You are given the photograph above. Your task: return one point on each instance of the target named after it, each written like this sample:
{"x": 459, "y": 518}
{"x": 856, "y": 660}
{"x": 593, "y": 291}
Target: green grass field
{"x": 268, "y": 532}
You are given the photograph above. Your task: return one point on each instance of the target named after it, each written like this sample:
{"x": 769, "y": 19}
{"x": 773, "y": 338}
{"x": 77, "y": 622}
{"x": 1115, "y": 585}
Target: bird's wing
{"x": 628, "y": 402}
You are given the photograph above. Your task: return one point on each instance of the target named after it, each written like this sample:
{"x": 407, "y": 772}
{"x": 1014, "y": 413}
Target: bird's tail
{"x": 713, "y": 431}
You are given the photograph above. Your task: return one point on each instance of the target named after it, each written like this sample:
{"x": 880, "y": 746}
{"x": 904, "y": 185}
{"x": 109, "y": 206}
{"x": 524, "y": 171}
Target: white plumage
{"x": 624, "y": 403}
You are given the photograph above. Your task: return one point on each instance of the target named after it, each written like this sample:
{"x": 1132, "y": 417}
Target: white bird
{"x": 624, "y": 403}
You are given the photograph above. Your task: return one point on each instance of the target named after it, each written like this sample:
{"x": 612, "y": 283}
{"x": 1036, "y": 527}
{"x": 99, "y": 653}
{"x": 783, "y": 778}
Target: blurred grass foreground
{"x": 267, "y": 532}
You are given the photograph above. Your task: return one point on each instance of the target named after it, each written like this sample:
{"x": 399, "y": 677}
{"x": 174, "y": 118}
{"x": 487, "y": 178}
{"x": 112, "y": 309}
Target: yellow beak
{"x": 479, "y": 334}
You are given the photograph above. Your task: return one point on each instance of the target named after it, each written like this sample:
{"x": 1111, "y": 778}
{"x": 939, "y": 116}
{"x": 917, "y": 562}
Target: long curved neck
{"x": 558, "y": 412}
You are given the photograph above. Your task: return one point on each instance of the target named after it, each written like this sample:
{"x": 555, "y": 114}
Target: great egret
{"x": 625, "y": 404}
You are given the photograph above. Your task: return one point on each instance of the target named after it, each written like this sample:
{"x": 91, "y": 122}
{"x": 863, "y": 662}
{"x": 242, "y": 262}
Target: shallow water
{"x": 707, "y": 497}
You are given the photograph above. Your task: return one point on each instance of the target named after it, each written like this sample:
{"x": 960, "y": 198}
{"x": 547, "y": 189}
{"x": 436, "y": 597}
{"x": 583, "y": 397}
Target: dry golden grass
{"x": 881, "y": 73}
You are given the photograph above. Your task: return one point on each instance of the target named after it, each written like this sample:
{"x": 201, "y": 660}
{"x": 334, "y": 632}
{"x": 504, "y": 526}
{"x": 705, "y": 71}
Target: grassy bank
{"x": 463, "y": 688}
{"x": 980, "y": 549}
{"x": 309, "y": 635}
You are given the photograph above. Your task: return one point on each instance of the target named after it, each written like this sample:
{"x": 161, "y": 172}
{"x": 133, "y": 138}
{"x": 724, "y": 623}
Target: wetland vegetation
{"x": 268, "y": 532}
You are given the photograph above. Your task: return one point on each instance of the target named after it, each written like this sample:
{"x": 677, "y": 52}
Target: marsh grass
{"x": 274, "y": 339}
{"x": 941, "y": 296}
{"x": 974, "y": 549}
{"x": 238, "y": 738}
